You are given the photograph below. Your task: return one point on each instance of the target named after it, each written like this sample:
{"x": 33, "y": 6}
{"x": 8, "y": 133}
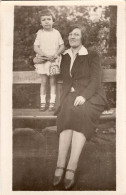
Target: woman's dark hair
{"x": 82, "y": 29}
{"x": 47, "y": 13}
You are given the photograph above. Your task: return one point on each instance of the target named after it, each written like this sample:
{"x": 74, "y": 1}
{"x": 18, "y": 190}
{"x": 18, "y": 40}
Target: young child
{"x": 48, "y": 46}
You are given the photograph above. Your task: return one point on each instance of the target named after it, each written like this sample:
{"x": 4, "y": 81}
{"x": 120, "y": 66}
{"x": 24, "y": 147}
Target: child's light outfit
{"x": 49, "y": 42}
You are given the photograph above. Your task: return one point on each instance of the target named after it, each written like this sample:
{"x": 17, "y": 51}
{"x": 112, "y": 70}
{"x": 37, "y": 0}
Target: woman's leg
{"x": 64, "y": 145}
{"x": 52, "y": 89}
{"x": 43, "y": 88}
{"x": 78, "y": 141}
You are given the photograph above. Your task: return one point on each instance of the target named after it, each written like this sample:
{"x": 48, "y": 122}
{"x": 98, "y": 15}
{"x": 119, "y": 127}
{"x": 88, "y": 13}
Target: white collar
{"x": 82, "y": 51}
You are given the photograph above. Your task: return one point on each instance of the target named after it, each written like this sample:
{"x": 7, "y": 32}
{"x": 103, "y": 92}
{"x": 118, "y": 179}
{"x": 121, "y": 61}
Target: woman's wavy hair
{"x": 82, "y": 29}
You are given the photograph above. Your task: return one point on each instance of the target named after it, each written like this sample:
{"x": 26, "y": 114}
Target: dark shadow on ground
{"x": 35, "y": 154}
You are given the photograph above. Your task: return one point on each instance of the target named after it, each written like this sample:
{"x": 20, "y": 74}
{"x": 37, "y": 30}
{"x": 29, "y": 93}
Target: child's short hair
{"x": 47, "y": 13}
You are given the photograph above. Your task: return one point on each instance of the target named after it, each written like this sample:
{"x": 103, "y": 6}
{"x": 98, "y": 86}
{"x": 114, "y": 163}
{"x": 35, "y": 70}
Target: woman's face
{"x": 75, "y": 38}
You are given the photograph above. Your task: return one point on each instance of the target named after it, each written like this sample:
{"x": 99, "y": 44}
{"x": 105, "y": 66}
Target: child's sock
{"x": 43, "y": 98}
{"x": 52, "y": 98}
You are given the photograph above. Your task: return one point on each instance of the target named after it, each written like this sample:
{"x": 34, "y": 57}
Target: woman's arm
{"x": 93, "y": 85}
{"x": 95, "y": 77}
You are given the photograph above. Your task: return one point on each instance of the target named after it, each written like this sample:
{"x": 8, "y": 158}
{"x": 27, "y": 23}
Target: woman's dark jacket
{"x": 86, "y": 78}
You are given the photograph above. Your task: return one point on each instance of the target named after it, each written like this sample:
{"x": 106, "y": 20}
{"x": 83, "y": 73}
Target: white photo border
{"x": 7, "y": 26}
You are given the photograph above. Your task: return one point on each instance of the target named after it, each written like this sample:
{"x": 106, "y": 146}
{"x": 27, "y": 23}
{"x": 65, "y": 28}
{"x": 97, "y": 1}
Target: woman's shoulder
{"x": 65, "y": 54}
{"x": 93, "y": 52}
{"x": 65, "y": 57}
{"x": 94, "y": 56}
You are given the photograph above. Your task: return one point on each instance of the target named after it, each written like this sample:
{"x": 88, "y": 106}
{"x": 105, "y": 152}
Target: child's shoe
{"x": 51, "y": 107}
{"x": 43, "y": 107}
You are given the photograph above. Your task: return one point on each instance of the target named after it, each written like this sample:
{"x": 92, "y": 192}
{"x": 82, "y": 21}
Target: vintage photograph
{"x": 64, "y": 98}
{"x": 63, "y": 108}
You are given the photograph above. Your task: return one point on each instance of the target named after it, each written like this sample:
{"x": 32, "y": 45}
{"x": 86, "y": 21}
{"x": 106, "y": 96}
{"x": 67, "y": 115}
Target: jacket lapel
{"x": 79, "y": 59}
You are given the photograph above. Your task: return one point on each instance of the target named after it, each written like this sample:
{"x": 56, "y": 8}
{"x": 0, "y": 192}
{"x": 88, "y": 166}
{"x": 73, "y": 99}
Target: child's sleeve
{"x": 37, "y": 40}
{"x": 60, "y": 39}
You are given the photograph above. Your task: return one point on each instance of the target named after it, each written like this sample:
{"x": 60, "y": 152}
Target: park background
{"x": 100, "y": 23}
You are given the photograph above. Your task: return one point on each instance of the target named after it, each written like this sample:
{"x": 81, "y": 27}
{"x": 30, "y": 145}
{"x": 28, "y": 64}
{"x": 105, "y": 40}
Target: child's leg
{"x": 52, "y": 93}
{"x": 43, "y": 88}
{"x": 52, "y": 89}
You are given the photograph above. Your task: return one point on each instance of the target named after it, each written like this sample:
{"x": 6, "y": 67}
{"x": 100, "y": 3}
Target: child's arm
{"x": 41, "y": 57}
{"x": 37, "y": 44}
{"x": 60, "y": 51}
{"x": 38, "y": 50}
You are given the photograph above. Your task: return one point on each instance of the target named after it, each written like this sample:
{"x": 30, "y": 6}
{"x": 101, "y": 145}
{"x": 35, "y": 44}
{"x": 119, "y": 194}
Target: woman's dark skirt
{"x": 83, "y": 118}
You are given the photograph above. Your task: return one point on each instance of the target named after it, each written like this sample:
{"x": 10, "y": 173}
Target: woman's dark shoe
{"x": 43, "y": 107}
{"x": 58, "y": 179}
{"x": 69, "y": 183}
{"x": 51, "y": 107}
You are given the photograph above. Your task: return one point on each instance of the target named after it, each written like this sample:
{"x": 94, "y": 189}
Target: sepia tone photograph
{"x": 64, "y": 121}
{"x": 64, "y": 97}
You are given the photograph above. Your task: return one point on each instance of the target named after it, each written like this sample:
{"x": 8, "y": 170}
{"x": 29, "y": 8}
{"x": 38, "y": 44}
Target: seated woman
{"x": 82, "y": 102}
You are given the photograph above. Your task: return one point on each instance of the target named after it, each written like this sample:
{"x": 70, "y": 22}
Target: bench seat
{"x": 37, "y": 114}
{"x": 31, "y": 77}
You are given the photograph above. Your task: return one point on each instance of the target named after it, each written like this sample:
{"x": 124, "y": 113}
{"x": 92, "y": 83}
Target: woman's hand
{"x": 79, "y": 100}
{"x": 39, "y": 59}
{"x": 53, "y": 57}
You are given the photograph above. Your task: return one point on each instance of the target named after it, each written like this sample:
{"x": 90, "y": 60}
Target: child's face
{"x": 47, "y": 22}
